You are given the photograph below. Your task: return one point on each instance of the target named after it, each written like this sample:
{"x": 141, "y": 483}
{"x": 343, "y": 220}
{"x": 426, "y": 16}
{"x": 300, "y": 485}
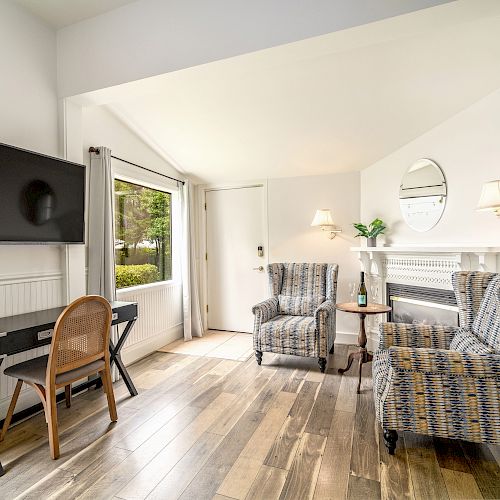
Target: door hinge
{"x": 206, "y": 256}
{"x": 205, "y": 206}
{"x": 207, "y": 307}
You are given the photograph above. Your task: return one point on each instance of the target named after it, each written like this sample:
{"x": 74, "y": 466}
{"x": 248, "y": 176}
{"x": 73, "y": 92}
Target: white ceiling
{"x": 60, "y": 13}
{"x": 329, "y": 104}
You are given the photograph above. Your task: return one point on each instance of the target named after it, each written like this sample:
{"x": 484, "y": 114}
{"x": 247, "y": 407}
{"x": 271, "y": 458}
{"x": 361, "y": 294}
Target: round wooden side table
{"x": 362, "y": 355}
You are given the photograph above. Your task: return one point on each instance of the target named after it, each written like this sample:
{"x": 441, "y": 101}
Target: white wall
{"x": 467, "y": 147}
{"x": 30, "y": 275}
{"x": 292, "y": 204}
{"x": 28, "y": 111}
{"x": 152, "y": 37}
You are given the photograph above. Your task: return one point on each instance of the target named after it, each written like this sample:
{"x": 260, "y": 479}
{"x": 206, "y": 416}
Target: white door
{"x": 236, "y": 273}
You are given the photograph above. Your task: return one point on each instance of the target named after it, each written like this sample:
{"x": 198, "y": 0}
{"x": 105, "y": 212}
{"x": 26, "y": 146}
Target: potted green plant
{"x": 371, "y": 232}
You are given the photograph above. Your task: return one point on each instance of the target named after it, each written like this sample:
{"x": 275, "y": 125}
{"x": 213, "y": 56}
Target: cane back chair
{"x": 79, "y": 348}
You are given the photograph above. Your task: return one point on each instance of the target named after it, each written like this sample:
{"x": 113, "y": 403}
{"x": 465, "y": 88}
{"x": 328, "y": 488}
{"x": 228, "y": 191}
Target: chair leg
{"x": 322, "y": 364}
{"x": 67, "y": 395}
{"x": 51, "y": 413}
{"x": 10, "y": 411}
{"x": 108, "y": 386}
{"x": 390, "y": 438}
{"x": 258, "y": 355}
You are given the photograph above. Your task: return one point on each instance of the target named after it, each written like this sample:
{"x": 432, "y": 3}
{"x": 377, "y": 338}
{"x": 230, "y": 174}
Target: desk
{"x": 362, "y": 355}
{"x": 31, "y": 330}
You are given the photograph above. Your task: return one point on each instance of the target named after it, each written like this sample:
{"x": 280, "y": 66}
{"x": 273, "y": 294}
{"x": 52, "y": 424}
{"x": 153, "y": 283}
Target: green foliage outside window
{"x": 143, "y": 232}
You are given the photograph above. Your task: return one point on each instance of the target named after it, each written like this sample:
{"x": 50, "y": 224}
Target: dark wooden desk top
{"x": 352, "y": 307}
{"x": 41, "y": 318}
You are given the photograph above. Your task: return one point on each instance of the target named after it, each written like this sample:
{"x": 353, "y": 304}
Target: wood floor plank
{"x": 365, "y": 448}
{"x": 268, "y": 484}
{"x": 427, "y": 480}
{"x": 347, "y": 397}
{"x": 239, "y": 479}
{"x": 361, "y": 488}
{"x": 295, "y": 381}
{"x": 321, "y": 416}
{"x": 156, "y": 469}
{"x": 395, "y": 482}
{"x": 450, "y": 454}
{"x": 333, "y": 478}
{"x": 264, "y": 400}
{"x": 461, "y": 485}
{"x": 483, "y": 467}
{"x": 301, "y": 479}
{"x": 176, "y": 481}
{"x": 285, "y": 445}
{"x": 206, "y": 483}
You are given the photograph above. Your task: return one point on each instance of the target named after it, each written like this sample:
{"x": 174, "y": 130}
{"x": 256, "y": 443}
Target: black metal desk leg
{"x": 115, "y": 356}
{"x": 2, "y": 472}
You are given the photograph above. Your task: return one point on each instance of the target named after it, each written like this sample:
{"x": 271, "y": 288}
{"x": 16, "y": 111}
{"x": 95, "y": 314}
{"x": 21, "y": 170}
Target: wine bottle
{"x": 362, "y": 294}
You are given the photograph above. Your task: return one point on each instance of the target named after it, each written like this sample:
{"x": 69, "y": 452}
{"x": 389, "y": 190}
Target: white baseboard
{"x": 142, "y": 349}
{"x": 351, "y": 338}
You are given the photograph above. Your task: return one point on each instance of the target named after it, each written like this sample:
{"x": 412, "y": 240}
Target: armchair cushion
{"x": 465, "y": 341}
{"x": 289, "y": 335}
{"x": 299, "y": 306}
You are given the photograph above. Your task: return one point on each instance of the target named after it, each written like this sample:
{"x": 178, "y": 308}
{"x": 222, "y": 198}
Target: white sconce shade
{"x": 490, "y": 197}
{"x": 323, "y": 218}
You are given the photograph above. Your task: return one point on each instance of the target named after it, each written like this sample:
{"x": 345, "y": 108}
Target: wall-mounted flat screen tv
{"x": 42, "y": 198}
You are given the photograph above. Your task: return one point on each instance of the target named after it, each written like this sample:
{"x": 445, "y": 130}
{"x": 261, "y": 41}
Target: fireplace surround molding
{"x": 422, "y": 266}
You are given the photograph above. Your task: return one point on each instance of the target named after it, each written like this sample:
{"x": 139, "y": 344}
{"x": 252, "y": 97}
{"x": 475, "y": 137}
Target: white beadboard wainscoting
{"x": 160, "y": 318}
{"x": 21, "y": 293}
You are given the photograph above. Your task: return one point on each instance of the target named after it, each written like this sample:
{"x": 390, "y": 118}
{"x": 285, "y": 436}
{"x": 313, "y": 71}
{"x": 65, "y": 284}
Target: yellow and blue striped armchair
{"x": 441, "y": 380}
{"x": 299, "y": 318}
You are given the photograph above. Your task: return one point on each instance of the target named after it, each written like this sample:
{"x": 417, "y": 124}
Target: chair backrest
{"x": 486, "y": 325}
{"x": 301, "y": 287}
{"x": 81, "y": 335}
{"x": 470, "y": 288}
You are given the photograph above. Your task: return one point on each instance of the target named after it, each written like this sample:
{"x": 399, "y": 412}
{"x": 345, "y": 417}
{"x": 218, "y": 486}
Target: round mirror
{"x": 422, "y": 195}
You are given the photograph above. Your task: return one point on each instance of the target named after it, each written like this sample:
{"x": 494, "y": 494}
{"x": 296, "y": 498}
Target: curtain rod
{"x": 96, "y": 150}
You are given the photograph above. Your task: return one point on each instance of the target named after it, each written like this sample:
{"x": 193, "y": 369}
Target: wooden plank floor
{"x": 204, "y": 428}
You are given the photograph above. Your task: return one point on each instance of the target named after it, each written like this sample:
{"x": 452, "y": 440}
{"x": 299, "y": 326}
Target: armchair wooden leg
{"x": 390, "y": 438}
{"x": 51, "y": 411}
{"x": 67, "y": 395}
{"x": 108, "y": 386}
{"x": 322, "y": 364}
{"x": 258, "y": 355}
{"x": 10, "y": 411}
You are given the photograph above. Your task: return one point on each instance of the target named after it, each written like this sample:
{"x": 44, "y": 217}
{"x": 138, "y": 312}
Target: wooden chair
{"x": 79, "y": 348}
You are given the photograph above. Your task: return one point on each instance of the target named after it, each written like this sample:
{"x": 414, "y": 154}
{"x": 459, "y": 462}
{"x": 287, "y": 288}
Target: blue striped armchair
{"x": 440, "y": 380}
{"x": 299, "y": 318}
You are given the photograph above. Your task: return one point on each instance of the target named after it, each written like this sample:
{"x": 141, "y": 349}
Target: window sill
{"x": 138, "y": 288}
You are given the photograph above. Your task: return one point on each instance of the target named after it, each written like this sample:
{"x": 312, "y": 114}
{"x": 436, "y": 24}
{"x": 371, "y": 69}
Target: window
{"x": 143, "y": 235}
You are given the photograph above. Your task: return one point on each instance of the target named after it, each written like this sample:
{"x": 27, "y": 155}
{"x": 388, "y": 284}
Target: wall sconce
{"x": 323, "y": 219}
{"x": 490, "y": 197}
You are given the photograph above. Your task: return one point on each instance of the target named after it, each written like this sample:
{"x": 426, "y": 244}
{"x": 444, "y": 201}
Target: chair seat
{"x": 290, "y": 334}
{"x": 34, "y": 371}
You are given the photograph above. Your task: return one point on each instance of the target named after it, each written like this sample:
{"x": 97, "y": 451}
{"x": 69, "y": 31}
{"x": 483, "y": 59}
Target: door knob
{"x": 260, "y": 269}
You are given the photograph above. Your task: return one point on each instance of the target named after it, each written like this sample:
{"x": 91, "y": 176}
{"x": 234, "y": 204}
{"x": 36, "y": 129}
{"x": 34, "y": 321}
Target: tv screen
{"x": 42, "y": 198}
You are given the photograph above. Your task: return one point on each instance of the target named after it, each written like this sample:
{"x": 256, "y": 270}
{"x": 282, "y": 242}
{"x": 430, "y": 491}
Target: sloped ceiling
{"x": 329, "y": 104}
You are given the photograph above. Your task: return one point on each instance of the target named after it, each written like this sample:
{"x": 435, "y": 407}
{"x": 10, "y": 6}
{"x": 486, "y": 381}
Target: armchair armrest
{"x": 445, "y": 362}
{"x": 325, "y": 316}
{"x": 266, "y": 310}
{"x": 420, "y": 336}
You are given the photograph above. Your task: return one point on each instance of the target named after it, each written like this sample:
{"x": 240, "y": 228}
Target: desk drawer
{"x": 24, "y": 340}
{"x": 124, "y": 313}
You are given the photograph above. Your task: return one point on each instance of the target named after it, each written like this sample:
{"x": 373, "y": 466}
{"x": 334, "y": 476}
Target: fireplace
{"x": 421, "y": 305}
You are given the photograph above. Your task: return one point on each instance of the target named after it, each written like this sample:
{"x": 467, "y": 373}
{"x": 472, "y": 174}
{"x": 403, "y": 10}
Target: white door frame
{"x": 202, "y": 233}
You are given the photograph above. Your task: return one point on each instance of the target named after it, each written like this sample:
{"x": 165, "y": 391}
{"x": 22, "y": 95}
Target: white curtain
{"x": 101, "y": 239}
{"x": 193, "y": 325}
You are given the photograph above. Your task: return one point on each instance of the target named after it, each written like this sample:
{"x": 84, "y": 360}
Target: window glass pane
{"x": 143, "y": 235}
